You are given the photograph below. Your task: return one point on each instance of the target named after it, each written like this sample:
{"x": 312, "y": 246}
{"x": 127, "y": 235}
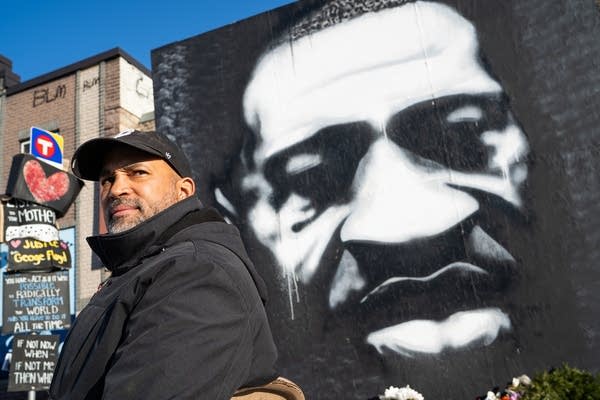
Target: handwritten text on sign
{"x": 31, "y": 254}
{"x": 33, "y": 361}
{"x": 36, "y": 302}
{"x": 27, "y": 219}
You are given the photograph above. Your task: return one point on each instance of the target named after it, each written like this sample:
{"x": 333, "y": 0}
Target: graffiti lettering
{"x": 90, "y": 83}
{"x": 43, "y": 96}
{"x": 140, "y": 89}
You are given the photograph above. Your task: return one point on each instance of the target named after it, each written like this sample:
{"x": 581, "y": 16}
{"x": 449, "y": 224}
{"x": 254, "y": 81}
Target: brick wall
{"x": 111, "y": 98}
{"x": 89, "y": 122}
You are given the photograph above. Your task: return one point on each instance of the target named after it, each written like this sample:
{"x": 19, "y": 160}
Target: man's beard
{"x": 145, "y": 211}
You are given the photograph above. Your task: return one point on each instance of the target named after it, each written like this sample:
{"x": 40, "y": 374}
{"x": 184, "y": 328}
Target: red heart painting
{"x": 15, "y": 243}
{"x": 44, "y": 188}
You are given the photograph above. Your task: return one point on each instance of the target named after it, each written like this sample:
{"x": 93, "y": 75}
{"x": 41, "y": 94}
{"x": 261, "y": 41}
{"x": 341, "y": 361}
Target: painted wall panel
{"x": 415, "y": 180}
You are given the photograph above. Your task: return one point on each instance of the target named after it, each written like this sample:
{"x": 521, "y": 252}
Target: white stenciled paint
{"x": 302, "y": 162}
{"x": 431, "y": 337}
{"x": 347, "y": 279}
{"x": 453, "y": 267}
{"x": 397, "y": 201}
{"x": 509, "y": 147}
{"x": 483, "y": 244}
{"x": 467, "y": 113}
{"x": 224, "y": 202}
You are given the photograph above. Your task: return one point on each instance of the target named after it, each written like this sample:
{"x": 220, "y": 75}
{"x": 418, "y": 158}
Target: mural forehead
{"x": 363, "y": 69}
{"x": 394, "y": 189}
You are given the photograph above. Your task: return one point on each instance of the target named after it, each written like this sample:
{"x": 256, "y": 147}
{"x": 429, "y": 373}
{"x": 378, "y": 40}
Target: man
{"x": 383, "y": 162}
{"x": 182, "y": 314}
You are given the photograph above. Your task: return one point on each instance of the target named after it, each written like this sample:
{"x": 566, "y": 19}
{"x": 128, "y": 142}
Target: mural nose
{"x": 399, "y": 197}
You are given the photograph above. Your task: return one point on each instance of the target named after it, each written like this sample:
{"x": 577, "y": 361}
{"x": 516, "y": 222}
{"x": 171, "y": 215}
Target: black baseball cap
{"x": 89, "y": 158}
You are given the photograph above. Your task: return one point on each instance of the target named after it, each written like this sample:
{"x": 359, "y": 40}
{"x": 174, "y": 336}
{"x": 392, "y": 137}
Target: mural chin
{"x": 460, "y": 330}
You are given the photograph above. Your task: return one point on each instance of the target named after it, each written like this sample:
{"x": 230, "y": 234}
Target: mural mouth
{"x": 428, "y": 282}
{"x": 456, "y": 270}
{"x": 475, "y": 257}
{"x": 458, "y": 286}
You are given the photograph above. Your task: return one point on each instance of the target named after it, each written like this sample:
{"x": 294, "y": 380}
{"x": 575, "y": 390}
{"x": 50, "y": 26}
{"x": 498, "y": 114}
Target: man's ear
{"x": 186, "y": 187}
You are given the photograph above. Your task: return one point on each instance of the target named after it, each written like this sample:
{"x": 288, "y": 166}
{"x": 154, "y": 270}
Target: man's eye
{"x": 106, "y": 180}
{"x": 139, "y": 172}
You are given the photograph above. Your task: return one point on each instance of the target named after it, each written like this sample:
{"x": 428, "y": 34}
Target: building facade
{"x": 98, "y": 96}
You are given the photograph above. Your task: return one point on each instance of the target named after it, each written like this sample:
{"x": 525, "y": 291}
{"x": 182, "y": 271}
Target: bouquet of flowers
{"x": 558, "y": 383}
{"x": 514, "y": 391}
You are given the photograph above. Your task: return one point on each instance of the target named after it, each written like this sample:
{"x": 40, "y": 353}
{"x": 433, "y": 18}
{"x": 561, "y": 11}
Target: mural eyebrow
{"x": 329, "y": 159}
{"x": 347, "y": 139}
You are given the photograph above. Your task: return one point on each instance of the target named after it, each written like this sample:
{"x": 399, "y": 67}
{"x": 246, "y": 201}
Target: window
{"x": 25, "y": 146}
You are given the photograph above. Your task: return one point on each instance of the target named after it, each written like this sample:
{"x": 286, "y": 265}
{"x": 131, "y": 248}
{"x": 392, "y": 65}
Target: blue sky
{"x": 40, "y": 36}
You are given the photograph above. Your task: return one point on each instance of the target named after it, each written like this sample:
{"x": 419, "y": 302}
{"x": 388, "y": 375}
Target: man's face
{"x": 134, "y": 187}
{"x": 385, "y": 138}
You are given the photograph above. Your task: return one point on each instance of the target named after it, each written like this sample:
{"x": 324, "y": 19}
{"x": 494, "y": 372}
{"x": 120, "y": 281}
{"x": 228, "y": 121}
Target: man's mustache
{"x": 128, "y": 202}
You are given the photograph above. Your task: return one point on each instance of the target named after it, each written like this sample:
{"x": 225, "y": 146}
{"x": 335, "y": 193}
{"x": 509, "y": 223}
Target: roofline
{"x": 83, "y": 64}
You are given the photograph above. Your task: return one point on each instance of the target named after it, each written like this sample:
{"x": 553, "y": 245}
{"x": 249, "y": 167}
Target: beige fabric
{"x": 279, "y": 389}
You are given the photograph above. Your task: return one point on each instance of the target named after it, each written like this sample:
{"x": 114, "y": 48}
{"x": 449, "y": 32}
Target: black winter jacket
{"x": 181, "y": 316}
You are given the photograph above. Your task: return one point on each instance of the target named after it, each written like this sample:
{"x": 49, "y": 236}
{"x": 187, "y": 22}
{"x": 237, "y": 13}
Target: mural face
{"x": 418, "y": 218}
{"x": 383, "y": 140}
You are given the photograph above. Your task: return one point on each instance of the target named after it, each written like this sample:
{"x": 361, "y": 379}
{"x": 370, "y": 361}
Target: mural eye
{"x": 465, "y": 113}
{"x": 322, "y": 167}
{"x": 448, "y": 130}
{"x": 302, "y": 162}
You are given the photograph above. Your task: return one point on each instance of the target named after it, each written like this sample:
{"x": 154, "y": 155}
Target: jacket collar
{"x": 121, "y": 251}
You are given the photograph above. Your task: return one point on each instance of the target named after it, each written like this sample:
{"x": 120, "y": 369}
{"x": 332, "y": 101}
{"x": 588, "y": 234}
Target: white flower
{"x": 525, "y": 380}
{"x": 405, "y": 393}
{"x": 515, "y": 382}
{"x": 491, "y": 396}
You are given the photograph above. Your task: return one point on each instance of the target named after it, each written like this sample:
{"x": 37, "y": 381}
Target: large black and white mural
{"x": 416, "y": 181}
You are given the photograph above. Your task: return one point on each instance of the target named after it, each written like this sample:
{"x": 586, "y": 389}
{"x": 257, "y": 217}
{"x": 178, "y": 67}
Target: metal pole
{"x": 31, "y": 395}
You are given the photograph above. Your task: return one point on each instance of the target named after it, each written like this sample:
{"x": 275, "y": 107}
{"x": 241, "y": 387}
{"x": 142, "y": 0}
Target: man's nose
{"x": 400, "y": 196}
{"x": 121, "y": 185}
